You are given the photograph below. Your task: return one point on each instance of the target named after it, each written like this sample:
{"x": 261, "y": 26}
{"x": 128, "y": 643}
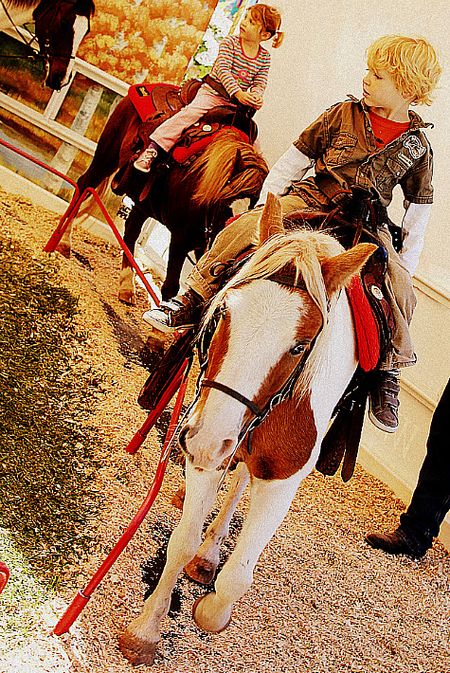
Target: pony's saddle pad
{"x": 156, "y": 102}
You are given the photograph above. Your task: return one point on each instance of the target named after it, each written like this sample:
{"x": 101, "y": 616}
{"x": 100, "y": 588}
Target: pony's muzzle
{"x": 202, "y": 451}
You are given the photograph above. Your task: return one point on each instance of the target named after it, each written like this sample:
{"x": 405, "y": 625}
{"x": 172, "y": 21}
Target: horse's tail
{"x": 228, "y": 169}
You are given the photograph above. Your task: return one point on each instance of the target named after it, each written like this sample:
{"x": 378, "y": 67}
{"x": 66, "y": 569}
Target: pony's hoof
{"x": 136, "y": 650}
{"x": 200, "y": 570}
{"x": 213, "y": 623}
{"x": 63, "y": 249}
{"x": 127, "y": 297}
{"x": 178, "y": 499}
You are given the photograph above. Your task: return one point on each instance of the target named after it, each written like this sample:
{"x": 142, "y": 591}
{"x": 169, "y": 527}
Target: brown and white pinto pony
{"x": 267, "y": 325}
{"x": 60, "y": 26}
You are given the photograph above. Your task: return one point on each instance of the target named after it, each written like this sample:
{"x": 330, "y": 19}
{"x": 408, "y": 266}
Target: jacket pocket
{"x": 341, "y": 149}
{"x": 390, "y": 175}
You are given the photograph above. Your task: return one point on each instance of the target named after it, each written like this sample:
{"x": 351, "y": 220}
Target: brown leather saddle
{"x": 155, "y": 103}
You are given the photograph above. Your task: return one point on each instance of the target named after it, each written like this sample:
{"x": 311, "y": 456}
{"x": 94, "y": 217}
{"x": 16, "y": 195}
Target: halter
{"x": 39, "y": 12}
{"x": 283, "y": 277}
{"x": 28, "y": 43}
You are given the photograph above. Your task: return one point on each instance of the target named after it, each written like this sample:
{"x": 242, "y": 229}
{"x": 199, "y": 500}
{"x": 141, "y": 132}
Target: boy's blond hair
{"x": 411, "y": 62}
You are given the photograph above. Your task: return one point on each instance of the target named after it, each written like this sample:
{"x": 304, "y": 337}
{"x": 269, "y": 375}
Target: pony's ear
{"x": 271, "y": 221}
{"x": 338, "y": 271}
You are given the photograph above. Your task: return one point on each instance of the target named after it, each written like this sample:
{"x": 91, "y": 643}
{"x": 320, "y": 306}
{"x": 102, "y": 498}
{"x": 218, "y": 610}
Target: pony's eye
{"x": 298, "y": 348}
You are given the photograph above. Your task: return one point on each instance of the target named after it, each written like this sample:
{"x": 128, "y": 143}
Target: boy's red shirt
{"x": 386, "y": 130}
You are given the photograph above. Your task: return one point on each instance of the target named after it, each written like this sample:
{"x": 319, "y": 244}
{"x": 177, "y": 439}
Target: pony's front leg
{"x": 203, "y": 566}
{"x": 269, "y": 503}
{"x": 138, "y": 643}
{"x": 133, "y": 227}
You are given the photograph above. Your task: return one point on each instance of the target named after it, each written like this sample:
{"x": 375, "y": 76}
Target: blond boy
{"x": 373, "y": 143}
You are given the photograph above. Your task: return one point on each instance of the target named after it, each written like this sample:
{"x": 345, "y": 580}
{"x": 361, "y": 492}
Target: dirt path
{"x": 322, "y": 600}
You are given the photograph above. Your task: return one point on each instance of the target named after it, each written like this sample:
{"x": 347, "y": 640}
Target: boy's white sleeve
{"x": 292, "y": 165}
{"x": 414, "y": 223}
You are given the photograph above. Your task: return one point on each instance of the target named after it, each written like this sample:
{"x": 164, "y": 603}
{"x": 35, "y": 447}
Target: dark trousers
{"x": 431, "y": 498}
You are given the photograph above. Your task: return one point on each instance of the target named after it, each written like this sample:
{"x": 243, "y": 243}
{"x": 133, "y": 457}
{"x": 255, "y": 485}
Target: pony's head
{"x": 273, "y": 320}
{"x": 228, "y": 169}
{"x": 60, "y": 25}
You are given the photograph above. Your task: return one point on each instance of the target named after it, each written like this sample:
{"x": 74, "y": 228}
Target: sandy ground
{"x": 321, "y": 601}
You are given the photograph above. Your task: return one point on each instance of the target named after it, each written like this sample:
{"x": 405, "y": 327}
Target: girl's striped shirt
{"x": 235, "y": 70}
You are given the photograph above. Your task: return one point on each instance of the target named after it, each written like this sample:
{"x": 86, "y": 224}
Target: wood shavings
{"x": 322, "y": 601}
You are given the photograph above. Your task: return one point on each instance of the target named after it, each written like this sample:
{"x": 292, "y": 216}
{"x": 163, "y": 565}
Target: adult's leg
{"x": 431, "y": 498}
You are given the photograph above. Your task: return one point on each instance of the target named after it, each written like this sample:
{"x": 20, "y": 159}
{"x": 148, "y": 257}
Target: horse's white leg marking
{"x": 201, "y": 490}
{"x": 203, "y": 566}
{"x": 269, "y": 503}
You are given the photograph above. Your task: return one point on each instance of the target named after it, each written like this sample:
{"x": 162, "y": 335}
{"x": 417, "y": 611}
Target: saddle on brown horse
{"x": 157, "y": 102}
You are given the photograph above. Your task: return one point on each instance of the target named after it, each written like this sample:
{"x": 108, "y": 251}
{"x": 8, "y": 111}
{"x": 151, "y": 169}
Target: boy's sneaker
{"x": 383, "y": 401}
{"x": 181, "y": 312}
{"x": 144, "y": 161}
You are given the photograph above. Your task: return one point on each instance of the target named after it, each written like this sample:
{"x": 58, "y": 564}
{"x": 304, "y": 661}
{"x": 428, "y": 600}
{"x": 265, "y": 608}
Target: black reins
{"x": 33, "y": 38}
{"x": 44, "y": 50}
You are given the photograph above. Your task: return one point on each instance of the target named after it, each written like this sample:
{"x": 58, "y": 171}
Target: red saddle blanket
{"x": 366, "y": 326}
{"x": 141, "y": 95}
{"x": 143, "y": 98}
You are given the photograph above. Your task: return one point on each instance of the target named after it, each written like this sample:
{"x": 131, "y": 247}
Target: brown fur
{"x": 216, "y": 165}
{"x": 282, "y": 445}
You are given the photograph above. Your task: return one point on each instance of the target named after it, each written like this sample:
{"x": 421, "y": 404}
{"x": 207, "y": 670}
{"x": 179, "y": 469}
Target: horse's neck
{"x": 19, "y": 14}
{"x": 338, "y": 365}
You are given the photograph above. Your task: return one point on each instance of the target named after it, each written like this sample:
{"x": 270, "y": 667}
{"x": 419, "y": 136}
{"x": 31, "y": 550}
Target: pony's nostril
{"x": 182, "y": 437}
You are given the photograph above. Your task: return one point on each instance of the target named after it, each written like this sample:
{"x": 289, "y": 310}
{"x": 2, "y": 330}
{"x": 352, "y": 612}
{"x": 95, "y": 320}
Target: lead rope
{"x": 22, "y": 37}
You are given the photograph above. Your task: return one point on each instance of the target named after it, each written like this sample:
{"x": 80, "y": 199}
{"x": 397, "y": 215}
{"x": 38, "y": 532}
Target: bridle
{"x": 286, "y": 390}
{"x": 44, "y": 49}
{"x": 28, "y": 42}
{"x": 40, "y": 14}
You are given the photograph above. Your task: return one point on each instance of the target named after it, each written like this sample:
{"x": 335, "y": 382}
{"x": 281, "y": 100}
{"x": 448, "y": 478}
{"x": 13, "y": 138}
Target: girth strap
{"x": 209, "y": 383}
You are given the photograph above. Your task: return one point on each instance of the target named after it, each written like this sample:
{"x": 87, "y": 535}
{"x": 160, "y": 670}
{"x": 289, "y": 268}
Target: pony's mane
{"x": 228, "y": 169}
{"x": 303, "y": 249}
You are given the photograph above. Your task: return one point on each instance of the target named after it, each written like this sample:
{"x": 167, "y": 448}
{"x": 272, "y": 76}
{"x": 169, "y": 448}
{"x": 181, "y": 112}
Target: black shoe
{"x": 384, "y": 402}
{"x": 396, "y": 542}
{"x": 181, "y": 312}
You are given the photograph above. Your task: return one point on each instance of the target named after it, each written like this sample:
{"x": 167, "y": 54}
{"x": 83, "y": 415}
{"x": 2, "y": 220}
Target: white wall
{"x": 322, "y": 60}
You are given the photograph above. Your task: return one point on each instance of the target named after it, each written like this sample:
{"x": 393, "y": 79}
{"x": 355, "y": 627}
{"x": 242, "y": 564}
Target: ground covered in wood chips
{"x": 73, "y": 360}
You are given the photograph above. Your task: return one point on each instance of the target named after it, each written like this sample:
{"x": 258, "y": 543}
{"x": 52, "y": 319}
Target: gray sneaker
{"x": 144, "y": 161}
{"x": 384, "y": 402}
{"x": 181, "y": 312}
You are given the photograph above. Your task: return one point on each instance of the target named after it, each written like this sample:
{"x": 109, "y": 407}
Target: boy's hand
{"x": 247, "y": 98}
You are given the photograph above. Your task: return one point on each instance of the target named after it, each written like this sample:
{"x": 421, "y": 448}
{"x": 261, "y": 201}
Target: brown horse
{"x": 192, "y": 200}
{"x": 281, "y": 353}
{"x": 60, "y": 25}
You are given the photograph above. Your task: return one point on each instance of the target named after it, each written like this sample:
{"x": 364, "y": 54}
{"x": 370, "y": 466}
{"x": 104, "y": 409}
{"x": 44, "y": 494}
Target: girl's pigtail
{"x": 277, "y": 39}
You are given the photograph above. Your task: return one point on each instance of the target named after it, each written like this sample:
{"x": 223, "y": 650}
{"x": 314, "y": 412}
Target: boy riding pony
{"x": 375, "y": 144}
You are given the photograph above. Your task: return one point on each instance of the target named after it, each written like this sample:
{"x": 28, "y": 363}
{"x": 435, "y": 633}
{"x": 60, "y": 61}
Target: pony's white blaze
{"x": 80, "y": 29}
{"x": 264, "y": 317}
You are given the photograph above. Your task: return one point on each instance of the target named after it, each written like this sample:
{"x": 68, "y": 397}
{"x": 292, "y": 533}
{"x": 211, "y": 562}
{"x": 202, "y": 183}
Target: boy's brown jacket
{"x": 342, "y": 144}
